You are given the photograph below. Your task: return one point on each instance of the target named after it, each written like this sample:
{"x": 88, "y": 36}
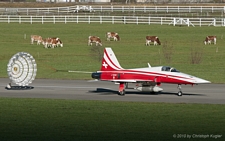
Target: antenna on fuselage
{"x": 149, "y": 65}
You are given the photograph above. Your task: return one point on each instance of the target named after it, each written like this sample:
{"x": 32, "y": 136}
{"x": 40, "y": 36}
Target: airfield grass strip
{"x": 48, "y": 119}
{"x": 178, "y": 44}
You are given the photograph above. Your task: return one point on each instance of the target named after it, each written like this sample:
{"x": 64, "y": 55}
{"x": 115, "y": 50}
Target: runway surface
{"x": 84, "y": 90}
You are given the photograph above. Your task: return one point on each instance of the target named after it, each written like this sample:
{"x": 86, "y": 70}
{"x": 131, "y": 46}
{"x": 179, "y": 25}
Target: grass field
{"x": 130, "y": 51}
{"x": 45, "y": 119}
{"x": 48, "y": 119}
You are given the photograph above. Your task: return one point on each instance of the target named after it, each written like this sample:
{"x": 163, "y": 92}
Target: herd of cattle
{"x": 47, "y": 42}
{"x": 109, "y": 35}
{"x": 55, "y": 41}
{"x": 149, "y": 39}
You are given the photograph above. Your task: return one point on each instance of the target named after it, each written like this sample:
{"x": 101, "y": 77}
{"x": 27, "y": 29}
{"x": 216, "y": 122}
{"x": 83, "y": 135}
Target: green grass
{"x": 130, "y": 51}
{"x": 46, "y": 119}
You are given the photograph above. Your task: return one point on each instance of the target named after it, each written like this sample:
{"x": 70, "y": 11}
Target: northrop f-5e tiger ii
{"x": 150, "y": 78}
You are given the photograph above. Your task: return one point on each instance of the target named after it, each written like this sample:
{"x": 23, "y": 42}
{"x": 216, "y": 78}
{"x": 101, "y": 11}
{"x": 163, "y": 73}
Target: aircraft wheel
{"x": 122, "y": 93}
{"x": 126, "y": 85}
{"x": 179, "y": 93}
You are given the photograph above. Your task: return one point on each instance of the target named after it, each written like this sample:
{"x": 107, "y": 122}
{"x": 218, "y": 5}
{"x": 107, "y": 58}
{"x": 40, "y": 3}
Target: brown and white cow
{"x": 94, "y": 39}
{"x": 47, "y": 42}
{"x": 113, "y": 35}
{"x": 36, "y": 38}
{"x": 56, "y": 42}
{"x": 153, "y": 39}
{"x": 52, "y": 42}
{"x": 210, "y": 39}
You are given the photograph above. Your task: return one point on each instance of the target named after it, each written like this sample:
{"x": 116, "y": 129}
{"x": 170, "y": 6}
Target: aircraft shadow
{"x": 20, "y": 88}
{"x": 104, "y": 91}
{"x": 190, "y": 94}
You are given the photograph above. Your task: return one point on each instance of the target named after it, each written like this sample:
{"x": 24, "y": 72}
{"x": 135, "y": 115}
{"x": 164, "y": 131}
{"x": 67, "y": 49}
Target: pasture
{"x": 48, "y": 119}
{"x": 178, "y": 45}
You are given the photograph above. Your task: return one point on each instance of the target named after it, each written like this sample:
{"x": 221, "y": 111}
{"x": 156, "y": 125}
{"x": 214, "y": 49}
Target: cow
{"x": 52, "y": 42}
{"x": 36, "y": 38}
{"x": 94, "y": 39}
{"x": 47, "y": 42}
{"x": 210, "y": 39}
{"x": 113, "y": 35}
{"x": 56, "y": 42}
{"x": 153, "y": 39}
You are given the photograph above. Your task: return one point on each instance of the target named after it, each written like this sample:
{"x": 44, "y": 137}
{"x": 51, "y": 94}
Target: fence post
{"x": 30, "y": 19}
{"x": 174, "y": 21}
{"x": 77, "y": 18}
{"x": 112, "y": 19}
{"x": 100, "y": 19}
{"x": 19, "y": 19}
{"x": 111, "y": 8}
{"x": 223, "y": 22}
{"x": 65, "y": 19}
{"x": 124, "y": 20}
{"x": 42, "y": 19}
{"x": 149, "y": 20}
{"x": 214, "y": 22}
{"x": 188, "y": 22}
{"x": 137, "y": 20}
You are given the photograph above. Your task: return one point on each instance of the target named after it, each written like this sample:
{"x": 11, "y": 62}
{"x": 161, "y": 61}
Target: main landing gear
{"x": 179, "y": 92}
{"x": 121, "y": 89}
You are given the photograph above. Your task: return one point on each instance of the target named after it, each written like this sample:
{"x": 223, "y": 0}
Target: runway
{"x": 107, "y": 91}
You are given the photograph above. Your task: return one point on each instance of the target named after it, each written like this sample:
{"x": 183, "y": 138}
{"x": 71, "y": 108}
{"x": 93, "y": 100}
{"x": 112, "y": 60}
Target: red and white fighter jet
{"x": 150, "y": 78}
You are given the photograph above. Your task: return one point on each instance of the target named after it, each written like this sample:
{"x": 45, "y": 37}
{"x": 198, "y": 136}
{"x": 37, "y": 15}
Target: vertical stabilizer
{"x": 109, "y": 61}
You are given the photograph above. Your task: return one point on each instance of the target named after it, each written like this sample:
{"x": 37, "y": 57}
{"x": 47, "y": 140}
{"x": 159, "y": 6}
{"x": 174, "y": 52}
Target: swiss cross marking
{"x": 105, "y": 65}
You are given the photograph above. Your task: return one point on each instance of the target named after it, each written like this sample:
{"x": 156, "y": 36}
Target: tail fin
{"x": 109, "y": 61}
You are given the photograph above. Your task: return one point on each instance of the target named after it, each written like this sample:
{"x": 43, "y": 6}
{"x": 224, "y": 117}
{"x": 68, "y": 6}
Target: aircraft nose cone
{"x": 201, "y": 81}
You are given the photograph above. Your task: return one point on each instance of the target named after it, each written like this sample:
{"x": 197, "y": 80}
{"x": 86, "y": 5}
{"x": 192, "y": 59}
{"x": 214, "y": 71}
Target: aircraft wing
{"x": 129, "y": 81}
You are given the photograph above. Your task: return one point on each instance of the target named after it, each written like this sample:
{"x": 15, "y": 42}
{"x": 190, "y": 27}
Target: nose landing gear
{"x": 179, "y": 92}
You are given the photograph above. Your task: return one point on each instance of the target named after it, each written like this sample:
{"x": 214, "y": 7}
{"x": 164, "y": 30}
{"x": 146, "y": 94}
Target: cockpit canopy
{"x": 170, "y": 69}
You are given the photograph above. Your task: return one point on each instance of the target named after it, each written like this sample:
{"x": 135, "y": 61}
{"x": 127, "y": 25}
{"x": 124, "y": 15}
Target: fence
{"x": 96, "y": 8}
{"x": 114, "y": 19}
